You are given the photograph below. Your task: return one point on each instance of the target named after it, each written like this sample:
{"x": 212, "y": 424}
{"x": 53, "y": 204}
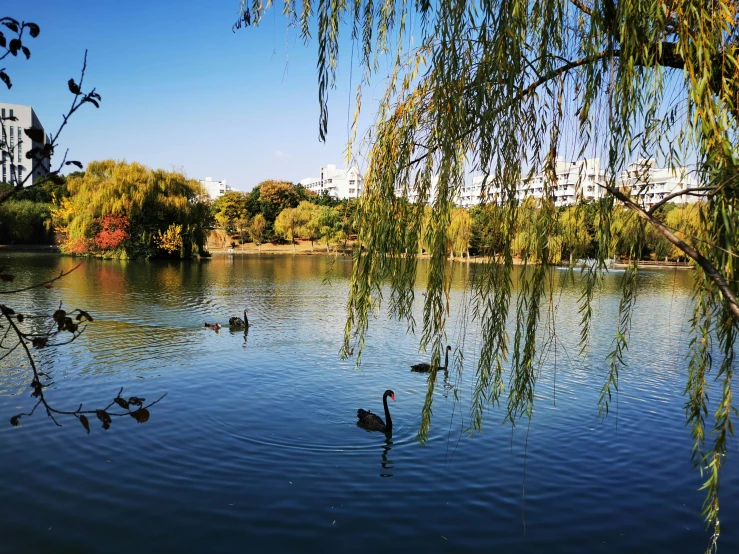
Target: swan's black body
{"x": 425, "y": 368}
{"x": 238, "y": 323}
{"x": 373, "y": 422}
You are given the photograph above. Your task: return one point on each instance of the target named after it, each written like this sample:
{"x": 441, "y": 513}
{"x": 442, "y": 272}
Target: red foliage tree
{"x": 114, "y": 230}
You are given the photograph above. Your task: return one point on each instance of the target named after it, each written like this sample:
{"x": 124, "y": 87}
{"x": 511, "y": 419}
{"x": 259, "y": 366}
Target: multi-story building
{"x": 412, "y": 195}
{"x": 648, "y": 184}
{"x": 583, "y": 181}
{"x": 576, "y": 181}
{"x": 14, "y": 143}
{"x": 215, "y": 189}
{"x": 339, "y": 183}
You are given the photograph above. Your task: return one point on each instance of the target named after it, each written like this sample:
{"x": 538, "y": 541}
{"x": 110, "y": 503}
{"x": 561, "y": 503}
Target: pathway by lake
{"x": 255, "y": 448}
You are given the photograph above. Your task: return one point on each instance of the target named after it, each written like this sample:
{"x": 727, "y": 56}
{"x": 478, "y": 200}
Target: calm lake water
{"x": 255, "y": 446}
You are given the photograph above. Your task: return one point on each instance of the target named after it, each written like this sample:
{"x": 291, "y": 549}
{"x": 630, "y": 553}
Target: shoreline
{"x": 304, "y": 249}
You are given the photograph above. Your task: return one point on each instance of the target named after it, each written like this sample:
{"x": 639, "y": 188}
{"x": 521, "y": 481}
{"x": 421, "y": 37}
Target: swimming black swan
{"x": 214, "y": 326}
{"x": 424, "y": 367}
{"x": 239, "y": 323}
{"x": 373, "y": 422}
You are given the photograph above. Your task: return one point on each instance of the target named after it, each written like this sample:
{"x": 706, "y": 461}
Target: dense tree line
{"x": 577, "y": 232}
{"x": 126, "y": 210}
{"x": 26, "y": 217}
{"x": 278, "y": 211}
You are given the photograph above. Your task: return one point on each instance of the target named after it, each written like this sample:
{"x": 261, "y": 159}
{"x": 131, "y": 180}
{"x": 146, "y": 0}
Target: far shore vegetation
{"x": 126, "y": 210}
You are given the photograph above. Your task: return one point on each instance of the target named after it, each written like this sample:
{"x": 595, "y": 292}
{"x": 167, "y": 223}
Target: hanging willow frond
{"x": 504, "y": 89}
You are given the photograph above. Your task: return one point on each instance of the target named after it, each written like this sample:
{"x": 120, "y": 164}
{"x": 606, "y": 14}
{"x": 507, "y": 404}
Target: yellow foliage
{"x": 171, "y": 239}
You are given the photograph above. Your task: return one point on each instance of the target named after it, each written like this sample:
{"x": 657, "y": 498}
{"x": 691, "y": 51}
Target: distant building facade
{"x": 583, "y": 181}
{"x": 14, "y": 166}
{"x": 215, "y": 189}
{"x": 339, "y": 183}
{"x": 648, "y": 184}
{"x": 576, "y": 181}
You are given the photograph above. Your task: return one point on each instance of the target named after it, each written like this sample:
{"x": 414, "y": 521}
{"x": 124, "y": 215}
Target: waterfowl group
{"x": 365, "y": 418}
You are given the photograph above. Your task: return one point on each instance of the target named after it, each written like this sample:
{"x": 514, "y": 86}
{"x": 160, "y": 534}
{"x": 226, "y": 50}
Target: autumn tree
{"x": 460, "y": 231}
{"x": 242, "y": 228}
{"x": 151, "y": 200}
{"x": 229, "y": 208}
{"x": 286, "y": 224}
{"x": 171, "y": 240}
{"x": 256, "y": 229}
{"x": 113, "y": 231}
{"x": 308, "y": 226}
{"x": 275, "y": 196}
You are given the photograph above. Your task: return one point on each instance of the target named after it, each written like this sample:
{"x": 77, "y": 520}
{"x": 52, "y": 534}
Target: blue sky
{"x": 180, "y": 89}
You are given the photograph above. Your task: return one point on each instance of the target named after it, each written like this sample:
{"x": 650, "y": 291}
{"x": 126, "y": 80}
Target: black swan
{"x": 239, "y": 323}
{"x": 214, "y": 326}
{"x": 373, "y": 422}
{"x": 424, "y": 367}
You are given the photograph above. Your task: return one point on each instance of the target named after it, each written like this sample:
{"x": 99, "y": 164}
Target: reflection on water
{"x": 387, "y": 464}
{"x": 256, "y": 442}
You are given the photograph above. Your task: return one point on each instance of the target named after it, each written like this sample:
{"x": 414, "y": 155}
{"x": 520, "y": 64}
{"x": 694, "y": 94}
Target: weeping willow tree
{"x": 503, "y": 88}
{"x": 152, "y": 203}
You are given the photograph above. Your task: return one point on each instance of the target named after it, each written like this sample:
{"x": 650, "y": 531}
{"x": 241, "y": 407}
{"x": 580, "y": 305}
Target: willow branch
{"x": 689, "y": 251}
{"x": 695, "y": 191}
{"x": 582, "y": 6}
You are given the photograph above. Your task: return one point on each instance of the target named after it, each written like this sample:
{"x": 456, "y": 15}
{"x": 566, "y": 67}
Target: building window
{"x": 20, "y": 172}
{"x": 11, "y": 112}
{"x": 3, "y": 113}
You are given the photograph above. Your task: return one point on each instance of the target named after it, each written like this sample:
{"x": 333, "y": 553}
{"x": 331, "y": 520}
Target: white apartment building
{"x": 14, "y": 166}
{"x": 340, "y": 183}
{"x": 582, "y": 180}
{"x": 412, "y": 195}
{"x": 575, "y": 181}
{"x": 648, "y": 184}
{"x": 215, "y": 189}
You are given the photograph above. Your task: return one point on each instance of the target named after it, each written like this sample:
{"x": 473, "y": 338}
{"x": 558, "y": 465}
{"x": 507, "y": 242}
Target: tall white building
{"x": 14, "y": 166}
{"x": 215, "y": 189}
{"x": 340, "y": 183}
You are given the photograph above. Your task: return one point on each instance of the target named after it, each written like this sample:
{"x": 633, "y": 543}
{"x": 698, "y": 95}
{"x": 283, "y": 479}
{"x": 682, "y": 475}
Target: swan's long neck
{"x": 246, "y": 319}
{"x": 388, "y": 421}
{"x": 446, "y": 359}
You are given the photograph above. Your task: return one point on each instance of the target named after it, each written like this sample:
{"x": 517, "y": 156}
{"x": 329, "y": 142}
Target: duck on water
{"x": 238, "y": 323}
{"x": 424, "y": 367}
{"x": 373, "y": 422}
